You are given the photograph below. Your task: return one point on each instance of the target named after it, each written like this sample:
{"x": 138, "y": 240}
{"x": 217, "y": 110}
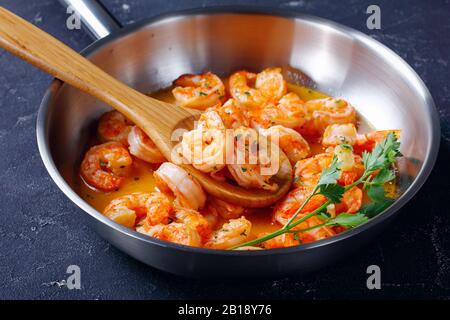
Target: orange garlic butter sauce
{"x": 141, "y": 177}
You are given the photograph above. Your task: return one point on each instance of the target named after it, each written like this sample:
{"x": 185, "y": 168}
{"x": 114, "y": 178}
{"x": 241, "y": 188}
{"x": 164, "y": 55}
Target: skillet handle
{"x": 98, "y": 21}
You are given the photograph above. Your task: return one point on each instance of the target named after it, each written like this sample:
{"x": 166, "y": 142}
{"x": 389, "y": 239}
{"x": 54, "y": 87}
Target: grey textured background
{"x": 42, "y": 232}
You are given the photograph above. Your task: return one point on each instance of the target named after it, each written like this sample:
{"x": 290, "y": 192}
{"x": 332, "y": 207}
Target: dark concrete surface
{"x": 42, "y": 232}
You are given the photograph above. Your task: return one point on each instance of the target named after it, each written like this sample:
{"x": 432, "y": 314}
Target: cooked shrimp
{"x": 125, "y": 210}
{"x": 247, "y": 168}
{"x": 379, "y": 135}
{"x": 225, "y": 209}
{"x": 174, "y": 232}
{"x": 368, "y": 141}
{"x": 235, "y": 232}
{"x": 288, "y": 207}
{"x": 113, "y": 126}
{"x": 173, "y": 179}
{"x": 154, "y": 208}
{"x": 346, "y": 133}
{"x": 290, "y": 141}
{"x": 336, "y": 134}
{"x": 324, "y": 112}
{"x": 285, "y": 209}
{"x": 204, "y": 147}
{"x": 307, "y": 171}
{"x": 289, "y": 112}
{"x": 210, "y": 119}
{"x": 159, "y": 210}
{"x": 314, "y": 234}
{"x": 198, "y": 91}
{"x": 350, "y": 175}
{"x": 232, "y": 115}
{"x": 249, "y": 176}
{"x": 194, "y": 220}
{"x": 282, "y": 241}
{"x": 351, "y": 201}
{"x": 142, "y": 147}
{"x": 248, "y": 248}
{"x": 105, "y": 166}
{"x": 241, "y": 90}
{"x": 271, "y": 84}
{"x": 292, "y": 110}
{"x": 211, "y": 215}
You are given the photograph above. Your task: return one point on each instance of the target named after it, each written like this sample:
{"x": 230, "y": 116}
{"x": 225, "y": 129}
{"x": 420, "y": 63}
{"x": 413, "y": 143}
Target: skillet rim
{"x": 408, "y": 73}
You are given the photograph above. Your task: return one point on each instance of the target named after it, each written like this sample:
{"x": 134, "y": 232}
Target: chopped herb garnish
{"x": 380, "y": 160}
{"x": 347, "y": 220}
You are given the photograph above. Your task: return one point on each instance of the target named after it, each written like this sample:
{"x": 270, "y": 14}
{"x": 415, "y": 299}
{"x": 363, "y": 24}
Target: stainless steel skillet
{"x": 342, "y": 62}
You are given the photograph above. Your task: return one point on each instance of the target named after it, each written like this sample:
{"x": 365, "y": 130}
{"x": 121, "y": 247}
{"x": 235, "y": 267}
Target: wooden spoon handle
{"x": 158, "y": 119}
{"x": 49, "y": 54}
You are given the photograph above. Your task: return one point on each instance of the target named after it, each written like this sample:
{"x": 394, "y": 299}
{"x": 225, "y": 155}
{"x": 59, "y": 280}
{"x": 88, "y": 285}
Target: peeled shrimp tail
{"x": 142, "y": 147}
{"x": 187, "y": 190}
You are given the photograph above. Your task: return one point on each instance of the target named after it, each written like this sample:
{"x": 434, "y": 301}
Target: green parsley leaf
{"x": 376, "y": 193}
{"x": 374, "y": 208}
{"x": 383, "y": 155}
{"x": 331, "y": 174}
{"x": 347, "y": 220}
{"x": 333, "y": 192}
{"x": 327, "y": 184}
{"x": 385, "y": 175}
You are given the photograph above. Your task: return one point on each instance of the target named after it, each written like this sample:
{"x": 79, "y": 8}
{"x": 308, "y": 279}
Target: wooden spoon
{"x": 157, "y": 118}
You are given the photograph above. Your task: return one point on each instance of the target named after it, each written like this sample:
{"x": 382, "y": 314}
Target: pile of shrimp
{"x": 252, "y": 105}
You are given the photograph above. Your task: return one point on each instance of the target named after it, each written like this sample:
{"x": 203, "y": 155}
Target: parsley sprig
{"x": 378, "y": 170}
